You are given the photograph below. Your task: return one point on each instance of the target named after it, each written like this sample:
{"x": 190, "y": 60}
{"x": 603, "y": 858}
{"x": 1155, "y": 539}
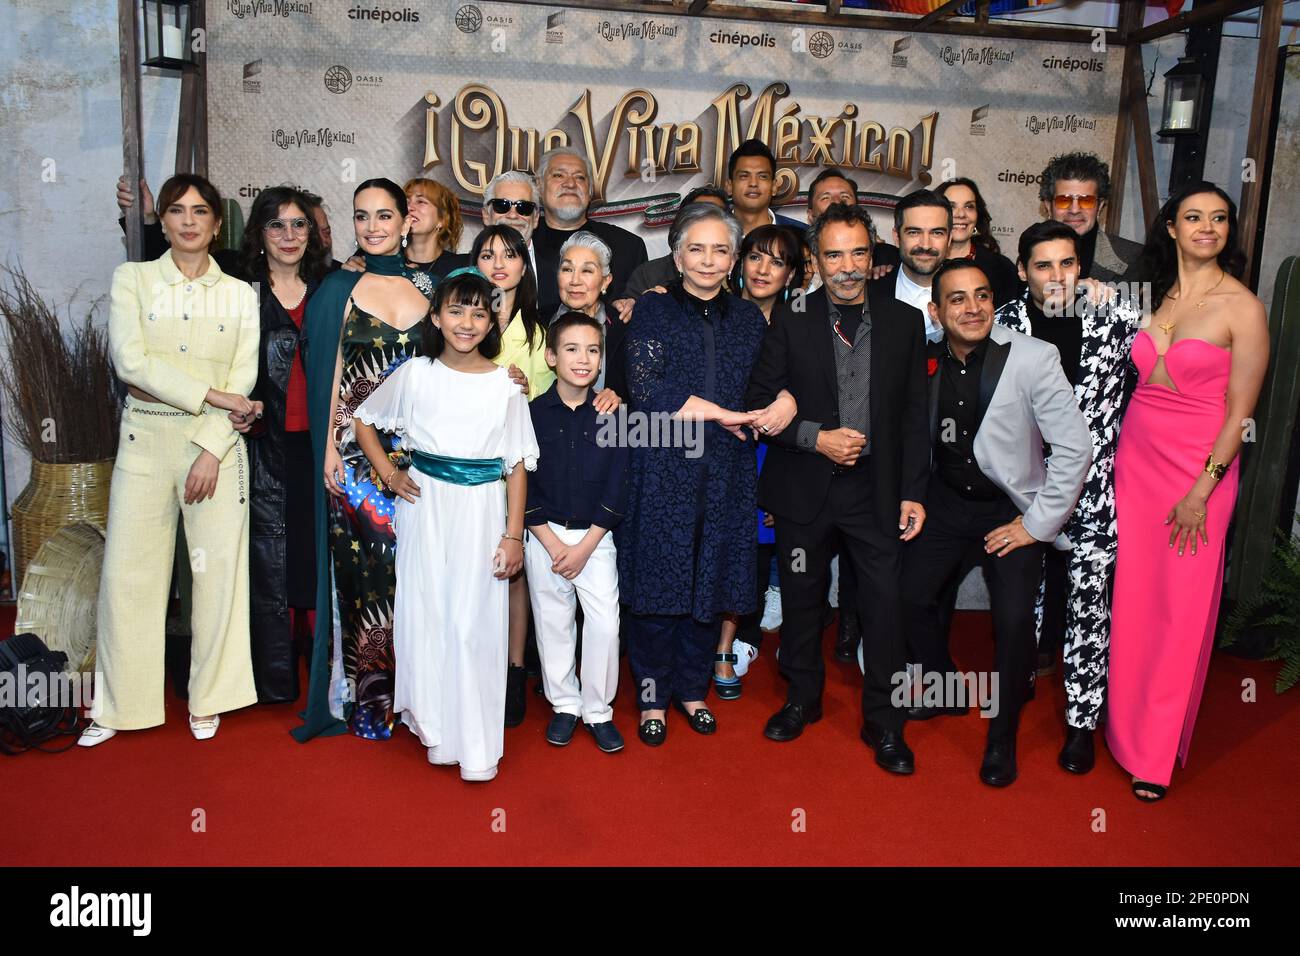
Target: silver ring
{"x": 1006, "y": 540}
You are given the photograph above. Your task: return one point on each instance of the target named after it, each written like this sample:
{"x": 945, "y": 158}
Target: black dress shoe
{"x": 702, "y": 721}
{"x": 789, "y": 722}
{"x": 1077, "y": 756}
{"x": 892, "y": 752}
{"x": 999, "y": 766}
{"x": 847, "y": 637}
{"x": 926, "y": 713}
{"x": 516, "y": 699}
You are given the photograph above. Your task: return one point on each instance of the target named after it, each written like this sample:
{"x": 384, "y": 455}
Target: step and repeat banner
{"x": 324, "y": 94}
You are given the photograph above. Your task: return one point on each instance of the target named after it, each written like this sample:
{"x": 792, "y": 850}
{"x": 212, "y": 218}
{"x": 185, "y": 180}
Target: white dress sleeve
{"x": 520, "y": 443}
{"x": 388, "y": 406}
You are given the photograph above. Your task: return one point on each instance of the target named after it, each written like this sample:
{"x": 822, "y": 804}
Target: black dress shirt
{"x": 628, "y": 249}
{"x": 581, "y": 480}
{"x": 1063, "y": 331}
{"x": 959, "y": 420}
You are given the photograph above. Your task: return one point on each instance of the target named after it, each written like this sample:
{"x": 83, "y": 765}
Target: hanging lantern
{"x": 167, "y": 25}
{"x": 1184, "y": 99}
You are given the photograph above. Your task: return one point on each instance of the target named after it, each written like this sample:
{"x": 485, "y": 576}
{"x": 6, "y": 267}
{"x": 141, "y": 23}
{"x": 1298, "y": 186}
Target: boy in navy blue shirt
{"x": 575, "y": 498}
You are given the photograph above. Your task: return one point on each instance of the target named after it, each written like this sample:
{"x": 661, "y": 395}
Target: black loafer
{"x": 928, "y": 713}
{"x": 560, "y": 729}
{"x": 789, "y": 722}
{"x": 608, "y": 739}
{"x": 999, "y": 766}
{"x": 1078, "y": 755}
{"x": 652, "y": 732}
{"x": 892, "y": 752}
{"x": 702, "y": 721}
{"x": 847, "y": 637}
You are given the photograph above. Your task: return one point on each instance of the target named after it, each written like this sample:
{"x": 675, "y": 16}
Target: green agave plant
{"x": 1274, "y": 611}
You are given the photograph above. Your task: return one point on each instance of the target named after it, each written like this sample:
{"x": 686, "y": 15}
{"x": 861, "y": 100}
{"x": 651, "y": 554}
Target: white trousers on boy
{"x": 554, "y": 602}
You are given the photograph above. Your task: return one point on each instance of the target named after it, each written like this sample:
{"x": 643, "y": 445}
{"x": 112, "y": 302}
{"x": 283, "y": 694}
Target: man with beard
{"x": 1073, "y": 189}
{"x": 850, "y": 467}
{"x": 1093, "y": 339}
{"x": 922, "y": 223}
{"x": 566, "y": 195}
{"x": 832, "y": 185}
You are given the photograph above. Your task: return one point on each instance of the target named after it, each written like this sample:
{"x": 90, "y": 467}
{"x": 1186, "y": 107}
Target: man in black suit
{"x": 565, "y": 178}
{"x": 852, "y": 466}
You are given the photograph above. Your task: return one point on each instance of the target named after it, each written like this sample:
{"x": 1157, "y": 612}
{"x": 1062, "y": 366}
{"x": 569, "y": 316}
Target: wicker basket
{"x": 58, "y": 496}
{"x": 60, "y": 594}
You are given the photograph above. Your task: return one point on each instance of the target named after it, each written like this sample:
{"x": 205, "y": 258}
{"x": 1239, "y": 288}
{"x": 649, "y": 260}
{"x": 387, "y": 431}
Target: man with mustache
{"x": 996, "y": 396}
{"x": 565, "y": 178}
{"x": 922, "y": 223}
{"x": 851, "y": 466}
{"x": 1093, "y": 340}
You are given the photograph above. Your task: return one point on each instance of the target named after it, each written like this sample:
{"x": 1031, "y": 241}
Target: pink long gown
{"x": 1165, "y": 607}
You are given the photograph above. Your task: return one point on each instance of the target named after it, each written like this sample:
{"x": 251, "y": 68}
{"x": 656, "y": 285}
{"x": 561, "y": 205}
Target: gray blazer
{"x": 1027, "y": 400}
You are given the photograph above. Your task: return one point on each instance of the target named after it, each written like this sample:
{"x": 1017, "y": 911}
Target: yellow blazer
{"x": 514, "y": 351}
{"x": 176, "y": 337}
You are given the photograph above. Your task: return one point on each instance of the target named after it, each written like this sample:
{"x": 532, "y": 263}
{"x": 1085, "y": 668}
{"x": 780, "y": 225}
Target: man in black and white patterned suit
{"x": 1093, "y": 330}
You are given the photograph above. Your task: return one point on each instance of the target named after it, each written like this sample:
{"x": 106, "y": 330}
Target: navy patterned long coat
{"x": 660, "y": 571}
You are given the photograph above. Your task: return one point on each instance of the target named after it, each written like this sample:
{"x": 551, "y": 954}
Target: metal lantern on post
{"x": 167, "y": 26}
{"x": 1184, "y": 99}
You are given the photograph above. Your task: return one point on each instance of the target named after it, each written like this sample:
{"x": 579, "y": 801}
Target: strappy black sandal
{"x": 652, "y": 732}
{"x": 1155, "y": 788}
{"x": 728, "y": 688}
{"x": 702, "y": 721}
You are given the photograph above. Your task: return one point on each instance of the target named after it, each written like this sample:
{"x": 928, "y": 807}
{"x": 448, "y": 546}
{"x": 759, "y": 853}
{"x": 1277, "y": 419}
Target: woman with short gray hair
{"x": 584, "y": 276}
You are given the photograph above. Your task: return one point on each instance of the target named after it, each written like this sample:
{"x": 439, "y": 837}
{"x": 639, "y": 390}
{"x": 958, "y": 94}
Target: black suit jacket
{"x": 798, "y": 355}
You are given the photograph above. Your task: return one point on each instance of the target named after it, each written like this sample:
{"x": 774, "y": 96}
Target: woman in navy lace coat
{"x": 686, "y": 547}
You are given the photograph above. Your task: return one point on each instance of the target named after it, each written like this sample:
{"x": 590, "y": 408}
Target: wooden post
{"x": 1203, "y": 42}
{"x": 201, "y": 92}
{"x": 132, "y": 167}
{"x": 1261, "y": 121}
{"x": 1130, "y": 19}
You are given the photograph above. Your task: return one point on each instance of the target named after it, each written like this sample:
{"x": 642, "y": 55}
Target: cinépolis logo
{"x": 75, "y": 908}
{"x": 763, "y": 40}
{"x": 1074, "y": 64}
{"x": 239, "y": 9}
{"x": 381, "y": 15}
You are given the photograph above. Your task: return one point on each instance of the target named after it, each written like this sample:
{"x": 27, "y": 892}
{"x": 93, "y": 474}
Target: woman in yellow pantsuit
{"x": 183, "y": 337}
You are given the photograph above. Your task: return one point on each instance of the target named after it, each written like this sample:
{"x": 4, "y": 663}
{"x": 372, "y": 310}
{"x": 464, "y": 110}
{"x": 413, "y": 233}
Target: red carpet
{"x": 732, "y": 799}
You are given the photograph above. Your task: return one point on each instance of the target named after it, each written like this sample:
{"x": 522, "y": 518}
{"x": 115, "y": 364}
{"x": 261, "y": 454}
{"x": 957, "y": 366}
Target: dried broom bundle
{"x": 61, "y": 397}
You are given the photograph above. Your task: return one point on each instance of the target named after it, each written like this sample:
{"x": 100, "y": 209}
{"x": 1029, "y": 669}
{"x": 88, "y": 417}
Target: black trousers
{"x": 1055, "y": 574}
{"x": 954, "y": 537}
{"x": 804, "y": 552}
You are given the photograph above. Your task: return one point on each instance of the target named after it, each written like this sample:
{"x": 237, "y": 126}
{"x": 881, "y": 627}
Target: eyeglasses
{"x": 1064, "y": 202}
{"x": 526, "y": 207}
{"x": 277, "y": 227}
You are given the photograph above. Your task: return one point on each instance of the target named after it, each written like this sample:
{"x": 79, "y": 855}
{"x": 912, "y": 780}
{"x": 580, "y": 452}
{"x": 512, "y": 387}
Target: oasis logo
{"x": 338, "y": 79}
{"x": 970, "y": 56}
{"x": 900, "y": 51}
{"x": 268, "y": 8}
{"x": 1056, "y": 123}
{"x": 469, "y": 19}
{"x": 251, "y": 72}
{"x": 132, "y": 910}
{"x": 977, "y": 115}
{"x": 1071, "y": 64}
{"x": 405, "y": 15}
{"x": 821, "y": 44}
{"x": 742, "y": 39}
{"x": 324, "y": 136}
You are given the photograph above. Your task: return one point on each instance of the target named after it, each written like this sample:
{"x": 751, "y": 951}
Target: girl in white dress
{"x": 467, "y": 426}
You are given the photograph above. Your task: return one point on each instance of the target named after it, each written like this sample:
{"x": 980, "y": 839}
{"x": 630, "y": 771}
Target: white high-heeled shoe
{"x": 94, "y": 735}
{"x": 206, "y": 728}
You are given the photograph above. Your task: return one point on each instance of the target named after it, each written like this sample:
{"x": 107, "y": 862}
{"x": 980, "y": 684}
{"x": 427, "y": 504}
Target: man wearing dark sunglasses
{"x": 1073, "y": 189}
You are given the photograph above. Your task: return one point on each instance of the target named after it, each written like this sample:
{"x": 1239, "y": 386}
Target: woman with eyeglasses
{"x": 971, "y": 237}
{"x": 285, "y": 254}
{"x": 360, "y": 327}
{"x": 501, "y": 254}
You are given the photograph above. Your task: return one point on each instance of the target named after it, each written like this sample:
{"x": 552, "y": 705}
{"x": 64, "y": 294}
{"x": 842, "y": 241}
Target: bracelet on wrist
{"x": 1214, "y": 469}
{"x": 511, "y": 537}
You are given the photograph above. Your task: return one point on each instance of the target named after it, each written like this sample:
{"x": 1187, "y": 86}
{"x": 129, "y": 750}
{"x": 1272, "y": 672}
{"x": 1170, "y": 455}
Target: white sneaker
{"x": 745, "y": 653}
{"x": 205, "y": 729}
{"x": 771, "y": 610}
{"x": 478, "y": 776}
{"x": 437, "y": 760}
{"x": 94, "y": 735}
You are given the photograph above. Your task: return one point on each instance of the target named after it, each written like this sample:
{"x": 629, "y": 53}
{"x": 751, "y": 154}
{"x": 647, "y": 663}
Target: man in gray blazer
{"x": 996, "y": 398}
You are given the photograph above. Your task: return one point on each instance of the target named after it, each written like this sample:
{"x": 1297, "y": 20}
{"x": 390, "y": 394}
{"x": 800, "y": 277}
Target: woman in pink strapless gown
{"x": 1200, "y": 364}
